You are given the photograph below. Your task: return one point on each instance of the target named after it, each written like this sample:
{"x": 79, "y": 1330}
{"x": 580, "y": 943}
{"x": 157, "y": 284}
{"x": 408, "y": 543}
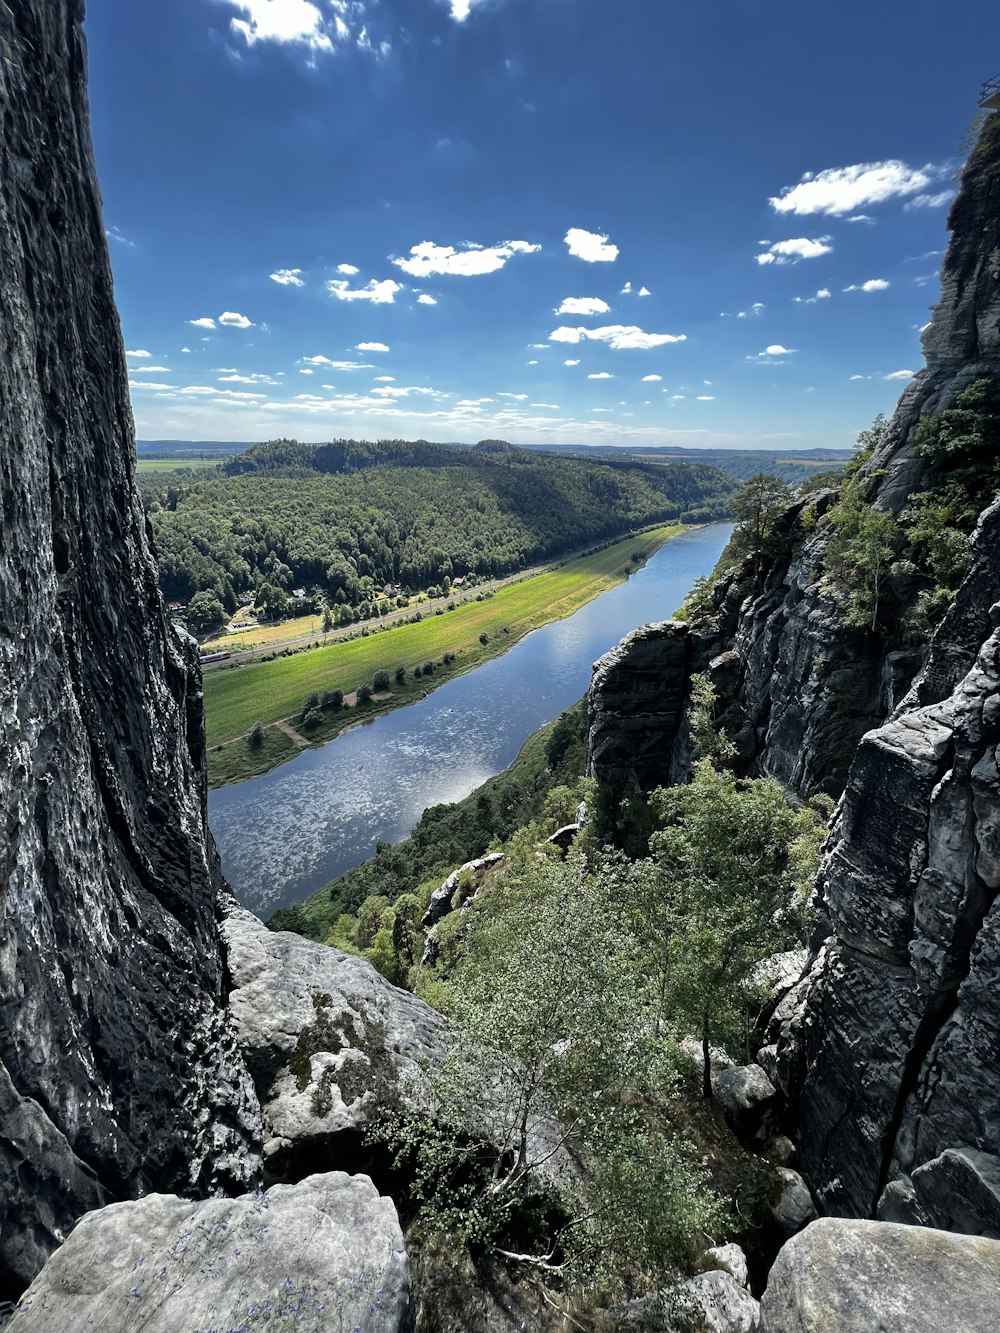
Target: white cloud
{"x": 233, "y": 320}
{"x": 185, "y": 349}
{"x": 203, "y": 323}
{"x": 287, "y": 277}
{"x": 572, "y": 361}
{"x": 592, "y": 246}
{"x": 706, "y": 398}
{"x": 384, "y": 379}
{"x": 842, "y": 190}
{"x": 644, "y": 291}
{"x": 860, "y": 217}
{"x": 617, "y": 336}
{"x": 235, "y": 378}
{"x": 791, "y": 251}
{"x": 651, "y": 379}
{"x": 552, "y": 407}
{"x": 338, "y": 365}
{"x": 372, "y": 347}
{"x": 929, "y": 201}
{"x": 460, "y": 9}
{"x": 822, "y": 295}
{"x": 517, "y": 397}
{"x": 583, "y": 305}
{"x": 379, "y": 293}
{"x": 626, "y": 289}
{"x": 601, "y": 375}
{"x": 305, "y": 372}
{"x": 115, "y": 234}
{"x": 532, "y": 363}
{"x": 872, "y": 285}
{"x": 424, "y": 299}
{"x": 755, "y": 309}
{"x": 772, "y": 354}
{"x": 898, "y": 375}
{"x": 148, "y": 370}
{"x": 282, "y": 21}
{"x": 858, "y": 377}
{"x": 469, "y": 262}
{"x": 151, "y": 388}
{"x": 140, "y": 353}
{"x": 349, "y": 270}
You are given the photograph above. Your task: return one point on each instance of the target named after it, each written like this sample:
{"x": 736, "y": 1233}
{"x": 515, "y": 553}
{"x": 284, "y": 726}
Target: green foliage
{"x": 313, "y": 718}
{"x": 759, "y": 510}
{"x": 380, "y": 680}
{"x": 351, "y": 517}
{"x": 400, "y": 673}
{"x": 709, "y": 743}
{"x": 364, "y": 693}
{"x": 205, "y": 612}
{"x": 724, "y": 889}
{"x": 859, "y": 554}
{"x": 547, "y": 1019}
{"x": 255, "y": 737}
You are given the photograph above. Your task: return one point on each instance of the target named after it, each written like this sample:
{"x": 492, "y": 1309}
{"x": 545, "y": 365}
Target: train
{"x": 213, "y": 657}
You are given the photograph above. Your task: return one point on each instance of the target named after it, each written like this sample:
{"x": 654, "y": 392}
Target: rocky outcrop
{"x": 119, "y": 1071}
{"x": 325, "y": 1253}
{"x": 888, "y": 1049}
{"x": 854, "y": 1277}
{"x": 327, "y": 1040}
{"x": 636, "y": 703}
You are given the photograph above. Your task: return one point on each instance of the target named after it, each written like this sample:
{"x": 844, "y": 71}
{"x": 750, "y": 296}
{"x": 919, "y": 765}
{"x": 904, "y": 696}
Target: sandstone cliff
{"x": 889, "y": 1049}
{"x": 119, "y": 1072}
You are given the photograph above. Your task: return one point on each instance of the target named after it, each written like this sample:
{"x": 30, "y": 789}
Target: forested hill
{"x": 351, "y": 517}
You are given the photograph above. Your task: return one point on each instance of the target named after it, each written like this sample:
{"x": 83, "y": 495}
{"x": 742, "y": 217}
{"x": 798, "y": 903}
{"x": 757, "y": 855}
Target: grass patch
{"x": 236, "y": 697}
{"x": 176, "y": 464}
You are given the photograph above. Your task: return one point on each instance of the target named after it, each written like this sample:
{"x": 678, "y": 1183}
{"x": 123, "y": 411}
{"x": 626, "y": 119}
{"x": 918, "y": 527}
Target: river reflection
{"x": 284, "y": 835}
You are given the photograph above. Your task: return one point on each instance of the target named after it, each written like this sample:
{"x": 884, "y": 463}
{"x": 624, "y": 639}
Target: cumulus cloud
{"x": 601, "y": 375}
{"x": 754, "y": 310}
{"x": 203, "y": 323}
{"x": 235, "y": 378}
{"x": 872, "y": 285}
{"x": 140, "y": 353}
{"x": 583, "y": 305}
{"x": 929, "y": 200}
{"x": 424, "y": 299}
{"x": 378, "y": 292}
{"x": 385, "y": 379}
{"x": 651, "y": 379}
{"x": 337, "y": 365}
{"x": 232, "y": 319}
{"x": 460, "y": 9}
{"x": 372, "y": 347}
{"x": 772, "y": 355}
{"x": 644, "y": 291}
{"x": 287, "y": 277}
{"x": 592, "y": 246}
{"x": 348, "y": 270}
{"x": 282, "y": 21}
{"x": 626, "y": 289}
{"x": 471, "y": 261}
{"x": 572, "y": 361}
{"x": 798, "y": 247}
{"x": 898, "y": 375}
{"x": 706, "y": 398}
{"x": 822, "y": 295}
{"x": 149, "y": 370}
{"x": 842, "y": 190}
{"x": 617, "y": 336}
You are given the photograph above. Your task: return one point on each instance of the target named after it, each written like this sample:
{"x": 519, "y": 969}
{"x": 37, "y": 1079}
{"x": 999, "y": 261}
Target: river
{"x": 286, "y": 834}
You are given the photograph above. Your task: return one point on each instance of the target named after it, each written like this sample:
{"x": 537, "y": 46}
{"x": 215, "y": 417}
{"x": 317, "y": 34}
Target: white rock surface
{"x": 322, "y": 1255}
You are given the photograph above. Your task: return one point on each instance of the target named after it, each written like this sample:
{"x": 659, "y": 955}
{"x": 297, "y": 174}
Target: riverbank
{"x": 273, "y": 692}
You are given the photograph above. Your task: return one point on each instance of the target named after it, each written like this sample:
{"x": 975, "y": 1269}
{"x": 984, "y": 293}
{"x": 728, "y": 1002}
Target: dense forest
{"x": 349, "y": 518}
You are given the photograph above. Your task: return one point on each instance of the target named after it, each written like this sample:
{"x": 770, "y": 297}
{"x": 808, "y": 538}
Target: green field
{"x": 267, "y": 692}
{"x": 173, "y": 464}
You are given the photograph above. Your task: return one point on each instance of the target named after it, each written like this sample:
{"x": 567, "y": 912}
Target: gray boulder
{"x": 712, "y": 1302}
{"x": 730, "y": 1259}
{"x": 743, "y": 1091}
{"x": 326, "y": 1039}
{"x": 795, "y": 1209}
{"x": 324, "y": 1254}
{"x": 842, "y": 1276}
{"x": 442, "y": 899}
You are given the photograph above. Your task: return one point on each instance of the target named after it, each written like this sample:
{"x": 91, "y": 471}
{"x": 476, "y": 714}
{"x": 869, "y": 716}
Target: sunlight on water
{"x": 284, "y": 835}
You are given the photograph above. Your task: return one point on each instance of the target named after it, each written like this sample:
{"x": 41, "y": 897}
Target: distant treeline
{"x": 352, "y": 517}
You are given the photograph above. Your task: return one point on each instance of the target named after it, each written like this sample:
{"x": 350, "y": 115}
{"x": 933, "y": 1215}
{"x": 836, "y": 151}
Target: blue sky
{"x": 566, "y": 221}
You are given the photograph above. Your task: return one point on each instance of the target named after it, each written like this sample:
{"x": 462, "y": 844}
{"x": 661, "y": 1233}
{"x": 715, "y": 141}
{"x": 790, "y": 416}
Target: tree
{"x": 327, "y": 620}
{"x": 255, "y": 739}
{"x": 548, "y": 1020}
{"x": 758, "y": 510}
{"x": 380, "y": 680}
{"x": 724, "y": 890}
{"x": 205, "y": 612}
{"x": 364, "y": 693}
{"x": 860, "y": 553}
{"x": 400, "y": 673}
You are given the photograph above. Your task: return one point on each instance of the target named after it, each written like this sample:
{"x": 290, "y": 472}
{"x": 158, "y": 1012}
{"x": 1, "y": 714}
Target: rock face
{"x": 888, "y": 1049}
{"x": 326, "y": 1039}
{"x": 854, "y": 1277}
{"x": 119, "y": 1072}
{"x": 325, "y": 1253}
{"x": 636, "y": 702}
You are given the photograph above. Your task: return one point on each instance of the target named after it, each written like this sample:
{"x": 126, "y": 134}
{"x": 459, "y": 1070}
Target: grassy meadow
{"x": 272, "y": 692}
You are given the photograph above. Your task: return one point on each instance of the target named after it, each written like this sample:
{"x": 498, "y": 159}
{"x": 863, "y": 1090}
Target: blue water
{"x": 285, "y": 835}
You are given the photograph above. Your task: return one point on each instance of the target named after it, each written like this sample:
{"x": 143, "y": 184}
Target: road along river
{"x": 286, "y": 834}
